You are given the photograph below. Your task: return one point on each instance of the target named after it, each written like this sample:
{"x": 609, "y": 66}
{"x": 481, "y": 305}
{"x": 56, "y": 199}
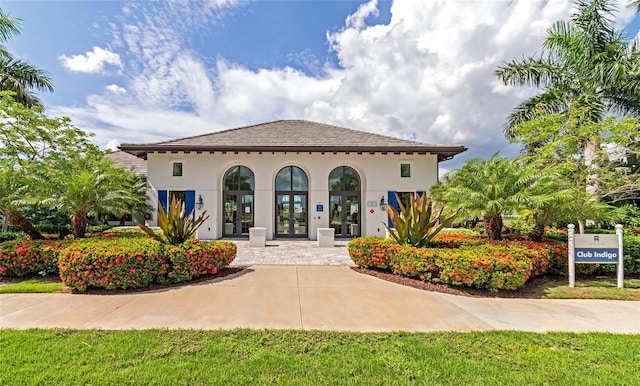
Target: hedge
{"x": 495, "y": 265}
{"x": 24, "y": 257}
{"x": 195, "y": 258}
{"x": 116, "y": 262}
{"x": 134, "y": 260}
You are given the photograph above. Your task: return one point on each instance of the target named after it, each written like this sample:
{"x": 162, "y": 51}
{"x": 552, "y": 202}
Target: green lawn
{"x": 34, "y": 285}
{"x": 590, "y": 288}
{"x": 185, "y": 357}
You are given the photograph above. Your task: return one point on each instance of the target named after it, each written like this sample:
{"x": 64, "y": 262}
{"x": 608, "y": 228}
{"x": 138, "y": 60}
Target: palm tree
{"x": 84, "y": 187}
{"x": 587, "y": 67}
{"x": 12, "y": 191}
{"x": 17, "y": 75}
{"x": 488, "y": 189}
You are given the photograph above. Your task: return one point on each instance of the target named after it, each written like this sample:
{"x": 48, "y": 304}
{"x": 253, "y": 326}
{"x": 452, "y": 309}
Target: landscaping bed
{"x": 530, "y": 289}
{"x": 116, "y": 261}
{"x": 466, "y": 263}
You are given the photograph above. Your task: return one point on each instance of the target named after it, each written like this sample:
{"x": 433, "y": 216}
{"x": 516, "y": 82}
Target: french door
{"x": 291, "y": 214}
{"x": 238, "y": 213}
{"x": 344, "y": 209}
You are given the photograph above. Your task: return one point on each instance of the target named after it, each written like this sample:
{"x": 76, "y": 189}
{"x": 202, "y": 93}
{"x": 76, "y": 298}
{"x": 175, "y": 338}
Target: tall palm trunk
{"x": 21, "y": 223}
{"x": 590, "y": 156}
{"x": 493, "y": 226}
{"x": 537, "y": 232}
{"x": 593, "y": 182}
{"x": 79, "y": 224}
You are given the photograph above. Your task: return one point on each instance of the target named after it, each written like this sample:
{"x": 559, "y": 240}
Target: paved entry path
{"x": 311, "y": 298}
{"x": 287, "y": 252}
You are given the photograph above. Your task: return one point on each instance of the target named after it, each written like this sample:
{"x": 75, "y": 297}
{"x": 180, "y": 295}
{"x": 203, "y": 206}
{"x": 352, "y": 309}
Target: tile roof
{"x": 129, "y": 162}
{"x": 294, "y": 135}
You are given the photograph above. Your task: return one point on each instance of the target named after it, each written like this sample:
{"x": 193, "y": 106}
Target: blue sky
{"x": 143, "y": 71}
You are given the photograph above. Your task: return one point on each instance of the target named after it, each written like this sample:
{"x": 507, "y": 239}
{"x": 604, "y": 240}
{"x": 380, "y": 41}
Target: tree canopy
{"x": 18, "y": 75}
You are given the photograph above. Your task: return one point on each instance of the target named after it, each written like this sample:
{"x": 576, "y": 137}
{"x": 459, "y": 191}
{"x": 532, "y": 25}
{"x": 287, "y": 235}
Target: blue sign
{"x": 319, "y": 208}
{"x": 597, "y": 255}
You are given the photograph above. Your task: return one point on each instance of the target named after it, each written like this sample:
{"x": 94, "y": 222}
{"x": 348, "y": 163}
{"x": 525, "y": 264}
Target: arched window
{"x": 239, "y": 184}
{"x": 344, "y": 201}
{"x": 292, "y": 179}
{"x": 292, "y": 187}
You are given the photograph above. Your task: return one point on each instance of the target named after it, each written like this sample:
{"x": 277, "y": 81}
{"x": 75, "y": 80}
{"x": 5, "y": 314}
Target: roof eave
{"x": 444, "y": 152}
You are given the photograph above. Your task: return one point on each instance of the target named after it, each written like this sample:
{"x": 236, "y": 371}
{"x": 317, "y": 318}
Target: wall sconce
{"x": 199, "y": 203}
{"x": 383, "y": 204}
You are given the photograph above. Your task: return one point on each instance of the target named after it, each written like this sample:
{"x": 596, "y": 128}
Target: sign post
{"x": 598, "y": 249}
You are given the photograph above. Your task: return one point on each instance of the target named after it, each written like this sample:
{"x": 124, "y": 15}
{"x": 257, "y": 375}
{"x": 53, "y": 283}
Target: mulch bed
{"x": 528, "y": 290}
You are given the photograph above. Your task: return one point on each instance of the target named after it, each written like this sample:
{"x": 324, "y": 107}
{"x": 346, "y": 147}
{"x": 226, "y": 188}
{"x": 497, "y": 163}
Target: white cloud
{"x": 114, "y": 88}
{"x": 427, "y": 75}
{"x": 93, "y": 61}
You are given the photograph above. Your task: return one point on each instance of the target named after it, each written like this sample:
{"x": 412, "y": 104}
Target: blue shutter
{"x": 393, "y": 202}
{"x": 163, "y": 198}
{"x": 190, "y": 202}
{"x": 420, "y": 193}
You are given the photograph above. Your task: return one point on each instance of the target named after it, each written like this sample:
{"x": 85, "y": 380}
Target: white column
{"x": 572, "y": 256}
{"x": 620, "y": 257}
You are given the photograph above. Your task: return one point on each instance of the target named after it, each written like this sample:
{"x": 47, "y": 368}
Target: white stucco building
{"x": 290, "y": 177}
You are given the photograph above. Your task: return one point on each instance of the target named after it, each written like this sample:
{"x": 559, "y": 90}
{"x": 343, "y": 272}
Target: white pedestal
{"x": 257, "y": 237}
{"x": 326, "y": 237}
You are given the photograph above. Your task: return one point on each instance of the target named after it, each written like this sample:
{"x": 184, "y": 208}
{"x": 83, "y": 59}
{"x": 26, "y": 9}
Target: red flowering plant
{"x": 119, "y": 262}
{"x": 495, "y": 265}
{"x": 457, "y": 238}
{"x": 24, "y": 257}
{"x": 195, "y": 258}
{"x": 414, "y": 262}
{"x": 370, "y": 251}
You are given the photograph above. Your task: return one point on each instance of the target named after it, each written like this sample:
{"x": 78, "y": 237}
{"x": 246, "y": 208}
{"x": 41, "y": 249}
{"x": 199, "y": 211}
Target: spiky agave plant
{"x": 416, "y": 224}
{"x": 177, "y": 226}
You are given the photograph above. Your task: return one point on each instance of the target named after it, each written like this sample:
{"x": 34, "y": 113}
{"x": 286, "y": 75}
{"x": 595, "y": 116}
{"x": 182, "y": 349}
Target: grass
{"x": 34, "y": 285}
{"x": 590, "y": 288}
{"x": 187, "y": 357}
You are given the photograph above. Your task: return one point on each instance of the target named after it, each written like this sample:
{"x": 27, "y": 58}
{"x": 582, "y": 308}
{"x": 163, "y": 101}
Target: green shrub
{"x": 491, "y": 265}
{"x": 98, "y": 228}
{"x": 556, "y": 234}
{"x": 631, "y": 255}
{"x": 370, "y": 251}
{"x": 177, "y": 225}
{"x": 111, "y": 262}
{"x": 131, "y": 260}
{"x": 414, "y": 262}
{"x": 7, "y": 236}
{"x": 195, "y": 258}
{"x": 25, "y": 257}
{"x": 417, "y": 223}
{"x": 457, "y": 238}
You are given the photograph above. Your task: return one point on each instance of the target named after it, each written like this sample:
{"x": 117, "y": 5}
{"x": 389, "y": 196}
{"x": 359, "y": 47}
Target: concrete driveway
{"x": 312, "y": 298}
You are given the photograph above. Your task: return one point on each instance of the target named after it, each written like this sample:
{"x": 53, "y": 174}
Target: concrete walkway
{"x": 310, "y": 298}
{"x": 288, "y": 252}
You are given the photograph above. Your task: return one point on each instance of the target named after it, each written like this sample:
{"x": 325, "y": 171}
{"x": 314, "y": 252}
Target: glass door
{"x": 335, "y": 213}
{"x": 246, "y": 217}
{"x": 352, "y": 215}
{"x": 283, "y": 210}
{"x": 291, "y": 215}
{"x": 345, "y": 214}
{"x": 230, "y": 214}
{"x": 238, "y": 214}
{"x": 299, "y": 215}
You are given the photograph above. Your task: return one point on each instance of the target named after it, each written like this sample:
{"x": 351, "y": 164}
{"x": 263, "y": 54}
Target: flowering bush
{"x": 116, "y": 262}
{"x": 457, "y": 238}
{"x": 491, "y": 265}
{"x": 370, "y": 251}
{"x": 195, "y": 258}
{"x": 25, "y": 257}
